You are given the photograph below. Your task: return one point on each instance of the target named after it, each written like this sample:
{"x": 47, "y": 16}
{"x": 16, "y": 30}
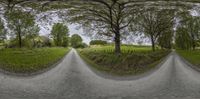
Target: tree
{"x": 59, "y": 33}
{"x": 191, "y": 25}
{"x": 2, "y": 31}
{"x": 154, "y": 23}
{"x": 111, "y": 17}
{"x": 21, "y": 24}
{"x": 183, "y": 39}
{"x": 165, "y": 40}
{"x": 33, "y": 32}
{"x": 65, "y": 42}
{"x": 108, "y": 17}
{"x": 76, "y": 40}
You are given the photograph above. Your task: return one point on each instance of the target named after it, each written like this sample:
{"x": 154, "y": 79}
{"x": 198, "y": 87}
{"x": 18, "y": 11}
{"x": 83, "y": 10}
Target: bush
{"x": 76, "y": 41}
{"x": 81, "y": 45}
{"x": 65, "y": 42}
{"x": 98, "y": 42}
{"x": 11, "y": 44}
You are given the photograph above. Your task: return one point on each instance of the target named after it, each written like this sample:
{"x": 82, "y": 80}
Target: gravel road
{"x": 72, "y": 79}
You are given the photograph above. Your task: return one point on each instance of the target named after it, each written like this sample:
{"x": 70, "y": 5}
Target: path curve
{"x": 72, "y": 79}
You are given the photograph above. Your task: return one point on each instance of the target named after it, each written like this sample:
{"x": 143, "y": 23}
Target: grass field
{"x": 192, "y": 56}
{"x": 124, "y": 48}
{"x": 29, "y": 61}
{"x": 133, "y": 60}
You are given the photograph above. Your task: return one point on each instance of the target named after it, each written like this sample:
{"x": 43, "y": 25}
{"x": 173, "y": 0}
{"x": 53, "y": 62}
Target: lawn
{"x": 133, "y": 60}
{"x": 192, "y": 56}
{"x": 30, "y": 60}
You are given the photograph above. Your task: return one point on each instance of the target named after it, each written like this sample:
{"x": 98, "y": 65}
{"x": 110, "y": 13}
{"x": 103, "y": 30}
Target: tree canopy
{"x": 60, "y": 33}
{"x": 76, "y": 41}
{"x": 21, "y": 24}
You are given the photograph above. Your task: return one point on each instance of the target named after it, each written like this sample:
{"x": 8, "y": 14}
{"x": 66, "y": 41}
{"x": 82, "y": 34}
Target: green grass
{"x": 192, "y": 56}
{"x": 124, "y": 48}
{"x": 133, "y": 60}
{"x": 30, "y": 60}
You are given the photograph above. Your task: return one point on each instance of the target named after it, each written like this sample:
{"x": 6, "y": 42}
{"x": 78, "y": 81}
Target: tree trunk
{"x": 193, "y": 42}
{"x": 33, "y": 42}
{"x": 153, "y": 44}
{"x": 20, "y": 39}
{"x": 193, "y": 46}
{"x": 117, "y": 44}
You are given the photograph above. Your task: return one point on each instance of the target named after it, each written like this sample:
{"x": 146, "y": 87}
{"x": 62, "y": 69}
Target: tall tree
{"x": 108, "y": 17}
{"x": 60, "y": 33}
{"x": 191, "y": 25}
{"x": 20, "y": 23}
{"x": 155, "y": 23}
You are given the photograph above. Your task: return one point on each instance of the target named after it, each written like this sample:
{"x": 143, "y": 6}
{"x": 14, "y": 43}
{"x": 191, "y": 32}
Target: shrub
{"x": 98, "y": 42}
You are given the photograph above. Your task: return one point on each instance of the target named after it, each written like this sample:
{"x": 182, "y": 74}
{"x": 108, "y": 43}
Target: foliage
{"x": 183, "y": 39}
{"x": 60, "y": 34}
{"x": 108, "y": 17}
{"x": 82, "y": 45}
{"x": 30, "y": 38}
{"x": 65, "y": 42}
{"x": 76, "y": 41}
{"x": 98, "y": 42}
{"x": 112, "y": 18}
{"x": 188, "y": 32}
{"x": 36, "y": 42}
{"x": 165, "y": 40}
{"x": 156, "y": 23}
{"x": 2, "y": 31}
{"x": 22, "y": 24}
{"x": 29, "y": 61}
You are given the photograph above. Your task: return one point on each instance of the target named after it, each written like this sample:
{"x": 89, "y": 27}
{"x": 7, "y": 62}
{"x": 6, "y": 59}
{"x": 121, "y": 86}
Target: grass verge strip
{"x": 192, "y": 56}
{"x": 25, "y": 61}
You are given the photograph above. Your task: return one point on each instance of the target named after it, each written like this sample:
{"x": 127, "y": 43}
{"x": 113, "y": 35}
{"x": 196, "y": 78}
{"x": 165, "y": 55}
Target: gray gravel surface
{"x": 72, "y": 79}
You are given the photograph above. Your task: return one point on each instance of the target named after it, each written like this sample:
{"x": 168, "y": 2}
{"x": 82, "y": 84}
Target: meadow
{"x": 30, "y": 60}
{"x": 133, "y": 60}
{"x": 193, "y": 56}
{"x": 124, "y": 48}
